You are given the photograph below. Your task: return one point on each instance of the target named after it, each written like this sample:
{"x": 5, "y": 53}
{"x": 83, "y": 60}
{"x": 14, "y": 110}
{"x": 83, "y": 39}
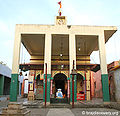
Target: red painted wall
{"x": 96, "y": 85}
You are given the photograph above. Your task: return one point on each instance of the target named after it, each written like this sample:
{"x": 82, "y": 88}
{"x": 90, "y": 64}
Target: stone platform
{"x": 15, "y": 109}
{"x": 59, "y": 100}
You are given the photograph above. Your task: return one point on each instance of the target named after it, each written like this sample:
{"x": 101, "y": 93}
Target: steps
{"x": 15, "y": 109}
{"x": 59, "y": 105}
{"x": 32, "y": 104}
{"x": 59, "y": 100}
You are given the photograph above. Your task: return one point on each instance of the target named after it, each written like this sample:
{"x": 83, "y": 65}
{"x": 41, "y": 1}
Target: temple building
{"x": 55, "y": 50}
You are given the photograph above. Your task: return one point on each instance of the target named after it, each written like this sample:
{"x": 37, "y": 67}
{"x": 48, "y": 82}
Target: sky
{"x": 78, "y": 12}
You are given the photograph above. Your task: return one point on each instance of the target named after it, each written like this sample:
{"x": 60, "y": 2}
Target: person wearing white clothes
{"x": 20, "y": 82}
{"x": 59, "y": 94}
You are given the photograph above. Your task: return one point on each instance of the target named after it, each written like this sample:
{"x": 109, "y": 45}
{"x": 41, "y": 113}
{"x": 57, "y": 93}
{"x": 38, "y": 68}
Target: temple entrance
{"x": 39, "y": 88}
{"x": 60, "y": 82}
{"x": 60, "y": 88}
{"x": 80, "y": 87}
{"x": 112, "y": 89}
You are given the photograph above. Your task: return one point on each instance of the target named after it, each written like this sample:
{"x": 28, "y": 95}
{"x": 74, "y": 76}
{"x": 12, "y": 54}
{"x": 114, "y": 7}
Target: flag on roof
{"x": 60, "y": 4}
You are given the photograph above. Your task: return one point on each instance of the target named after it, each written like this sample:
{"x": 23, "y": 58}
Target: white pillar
{"x": 103, "y": 65}
{"x": 16, "y": 52}
{"x": 72, "y": 57}
{"x": 47, "y": 56}
{"x": 102, "y": 54}
{"x": 72, "y": 51}
{"x": 15, "y": 66}
{"x": 47, "y": 59}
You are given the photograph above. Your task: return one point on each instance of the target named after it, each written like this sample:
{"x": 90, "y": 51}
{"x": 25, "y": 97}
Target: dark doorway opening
{"x": 60, "y": 81}
{"x": 39, "y": 88}
{"x": 7, "y": 86}
{"x": 80, "y": 83}
{"x": 80, "y": 87}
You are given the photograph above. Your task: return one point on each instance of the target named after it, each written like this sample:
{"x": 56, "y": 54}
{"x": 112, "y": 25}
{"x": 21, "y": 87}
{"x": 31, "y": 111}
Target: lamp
{"x": 61, "y": 54}
{"x": 79, "y": 46}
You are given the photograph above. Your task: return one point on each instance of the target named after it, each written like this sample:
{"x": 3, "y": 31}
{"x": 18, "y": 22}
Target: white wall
{"x": 5, "y": 71}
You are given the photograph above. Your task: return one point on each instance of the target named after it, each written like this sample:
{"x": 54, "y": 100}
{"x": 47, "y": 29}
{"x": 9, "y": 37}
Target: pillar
{"x": 87, "y": 85}
{"x": 72, "y": 56}
{"x": 15, "y": 67}
{"x": 47, "y": 59}
{"x": 68, "y": 89}
{"x": 51, "y": 91}
{"x": 103, "y": 66}
{"x": 2, "y": 78}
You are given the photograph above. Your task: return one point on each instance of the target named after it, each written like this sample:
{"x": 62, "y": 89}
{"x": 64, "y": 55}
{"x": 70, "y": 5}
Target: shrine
{"x": 55, "y": 50}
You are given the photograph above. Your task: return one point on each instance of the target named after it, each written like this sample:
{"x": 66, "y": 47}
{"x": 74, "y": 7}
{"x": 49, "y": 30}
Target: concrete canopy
{"x": 60, "y": 44}
{"x": 35, "y": 43}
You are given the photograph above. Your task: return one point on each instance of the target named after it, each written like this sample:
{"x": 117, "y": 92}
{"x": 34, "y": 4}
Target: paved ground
{"x": 60, "y": 112}
{"x": 83, "y": 109}
{"x": 95, "y": 112}
{"x": 39, "y": 111}
{"x": 74, "y": 112}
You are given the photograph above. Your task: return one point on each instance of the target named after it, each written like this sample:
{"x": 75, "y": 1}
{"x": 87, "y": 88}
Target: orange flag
{"x": 60, "y": 4}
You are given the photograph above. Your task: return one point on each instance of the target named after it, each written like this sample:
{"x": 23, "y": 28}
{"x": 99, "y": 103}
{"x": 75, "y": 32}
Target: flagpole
{"x": 60, "y": 13}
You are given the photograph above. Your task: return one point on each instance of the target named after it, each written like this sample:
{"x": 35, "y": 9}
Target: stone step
{"x": 27, "y": 113}
{"x": 59, "y": 105}
{"x": 58, "y": 100}
{"x": 32, "y": 104}
{"x": 15, "y": 109}
{"x": 12, "y": 110}
{"x": 14, "y": 105}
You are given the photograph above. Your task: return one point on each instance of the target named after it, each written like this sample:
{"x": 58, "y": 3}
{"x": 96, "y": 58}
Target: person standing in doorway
{"x": 20, "y": 82}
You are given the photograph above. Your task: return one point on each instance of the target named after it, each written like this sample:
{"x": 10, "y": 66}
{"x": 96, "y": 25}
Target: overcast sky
{"x": 78, "y": 12}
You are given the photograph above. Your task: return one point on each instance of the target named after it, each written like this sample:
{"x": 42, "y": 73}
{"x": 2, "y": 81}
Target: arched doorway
{"x": 80, "y": 87}
{"x": 60, "y": 82}
{"x": 39, "y": 88}
{"x": 112, "y": 88}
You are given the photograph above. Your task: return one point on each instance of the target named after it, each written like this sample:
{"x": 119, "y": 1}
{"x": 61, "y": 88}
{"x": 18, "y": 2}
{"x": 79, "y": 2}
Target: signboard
{"x": 80, "y": 96}
{"x": 31, "y": 80}
{"x": 31, "y": 86}
{"x": 31, "y": 77}
{"x": 26, "y": 86}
